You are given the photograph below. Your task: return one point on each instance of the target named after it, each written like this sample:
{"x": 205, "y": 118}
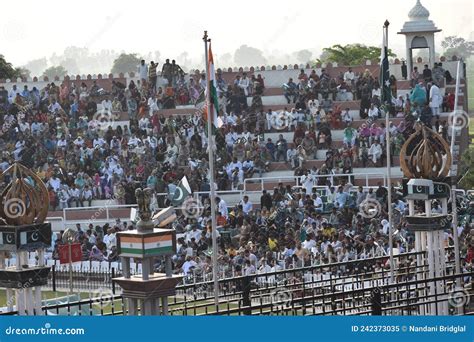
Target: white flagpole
{"x": 389, "y": 170}
{"x": 210, "y": 146}
{"x": 457, "y": 262}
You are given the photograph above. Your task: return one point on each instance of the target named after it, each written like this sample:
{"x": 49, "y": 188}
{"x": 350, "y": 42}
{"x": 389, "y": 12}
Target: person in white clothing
{"x": 188, "y": 265}
{"x": 106, "y": 106}
{"x": 244, "y": 84}
{"x": 143, "y": 70}
{"x": 269, "y": 116}
{"x": 373, "y": 112}
{"x": 222, "y": 207}
{"x": 247, "y": 206}
{"x": 347, "y": 117}
{"x": 349, "y": 76}
{"x": 307, "y": 181}
{"x": 375, "y": 152}
{"x": 292, "y": 157}
{"x": 436, "y": 99}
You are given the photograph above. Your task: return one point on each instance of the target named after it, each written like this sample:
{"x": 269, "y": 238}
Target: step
{"x": 269, "y": 186}
{"x": 316, "y": 162}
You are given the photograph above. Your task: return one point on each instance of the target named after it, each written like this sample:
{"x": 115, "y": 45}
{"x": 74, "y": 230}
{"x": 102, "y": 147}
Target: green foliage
{"x": 304, "y": 56}
{"x": 351, "y": 54}
{"x": 249, "y": 56}
{"x": 37, "y": 66}
{"x": 7, "y": 71}
{"x": 125, "y": 63}
{"x": 457, "y": 46}
{"x": 467, "y": 167}
{"x": 23, "y": 72}
{"x": 54, "y": 71}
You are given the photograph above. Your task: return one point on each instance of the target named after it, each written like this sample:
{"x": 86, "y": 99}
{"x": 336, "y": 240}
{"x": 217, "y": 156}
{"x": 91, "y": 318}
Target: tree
{"x": 351, "y": 54}
{"x": 183, "y": 60}
{"x": 303, "y": 56}
{"x": 225, "y": 60}
{"x": 70, "y": 65}
{"x": 54, "y": 71}
{"x": 249, "y": 56}
{"x": 457, "y": 46}
{"x": 467, "y": 167}
{"x": 125, "y": 63}
{"x": 23, "y": 72}
{"x": 7, "y": 71}
{"x": 37, "y": 66}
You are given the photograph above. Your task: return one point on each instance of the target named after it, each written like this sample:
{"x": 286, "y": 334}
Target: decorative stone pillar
{"x": 22, "y": 230}
{"x": 147, "y": 294}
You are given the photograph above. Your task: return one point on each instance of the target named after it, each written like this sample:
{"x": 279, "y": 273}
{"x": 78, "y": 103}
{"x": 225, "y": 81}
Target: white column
{"x": 419, "y": 262}
{"x": 20, "y": 302}
{"x": 411, "y": 207}
{"x": 28, "y": 294}
{"x": 37, "y": 300}
{"x": 409, "y": 56}
{"x": 431, "y": 284}
{"x": 10, "y": 299}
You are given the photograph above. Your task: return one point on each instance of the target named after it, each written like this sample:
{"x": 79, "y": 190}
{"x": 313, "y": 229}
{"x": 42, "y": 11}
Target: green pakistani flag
{"x": 183, "y": 190}
{"x": 385, "y": 74}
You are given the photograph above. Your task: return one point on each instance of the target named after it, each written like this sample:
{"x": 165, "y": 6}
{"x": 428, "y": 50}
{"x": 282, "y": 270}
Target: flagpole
{"x": 457, "y": 262}
{"x": 210, "y": 146}
{"x": 389, "y": 169}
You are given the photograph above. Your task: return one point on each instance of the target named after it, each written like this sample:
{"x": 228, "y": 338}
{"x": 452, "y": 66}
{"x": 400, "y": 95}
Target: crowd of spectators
{"x": 71, "y": 137}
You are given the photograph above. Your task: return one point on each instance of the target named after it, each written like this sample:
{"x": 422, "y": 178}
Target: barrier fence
{"x": 356, "y": 287}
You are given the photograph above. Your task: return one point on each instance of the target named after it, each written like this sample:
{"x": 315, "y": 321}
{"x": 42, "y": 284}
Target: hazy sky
{"x": 32, "y": 29}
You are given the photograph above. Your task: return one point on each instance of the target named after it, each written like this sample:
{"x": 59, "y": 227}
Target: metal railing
{"x": 359, "y": 287}
{"x": 296, "y": 179}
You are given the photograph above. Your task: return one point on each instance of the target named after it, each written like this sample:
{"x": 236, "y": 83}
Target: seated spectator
{"x": 290, "y": 89}
{"x": 375, "y": 152}
{"x": 281, "y": 148}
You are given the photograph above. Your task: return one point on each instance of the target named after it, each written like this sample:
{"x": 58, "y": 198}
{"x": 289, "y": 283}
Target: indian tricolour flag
{"x": 132, "y": 246}
{"x": 212, "y": 89}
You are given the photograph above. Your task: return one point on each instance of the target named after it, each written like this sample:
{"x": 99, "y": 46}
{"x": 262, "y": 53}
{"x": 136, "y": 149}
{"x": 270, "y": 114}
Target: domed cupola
{"x": 418, "y": 12}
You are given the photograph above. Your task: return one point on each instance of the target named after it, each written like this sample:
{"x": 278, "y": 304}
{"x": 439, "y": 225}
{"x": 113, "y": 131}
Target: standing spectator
{"x": 415, "y": 76}
{"x": 152, "y": 75}
{"x": 167, "y": 71}
{"x": 244, "y": 84}
{"x": 266, "y": 200}
{"x": 143, "y": 71}
{"x": 436, "y": 99}
{"x": 176, "y": 73}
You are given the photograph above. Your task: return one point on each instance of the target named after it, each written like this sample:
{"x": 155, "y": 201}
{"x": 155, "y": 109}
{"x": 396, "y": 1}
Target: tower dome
{"x": 418, "y": 12}
{"x": 418, "y": 20}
